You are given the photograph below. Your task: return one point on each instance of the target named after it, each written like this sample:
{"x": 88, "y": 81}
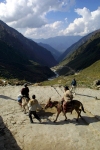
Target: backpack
{"x": 74, "y": 82}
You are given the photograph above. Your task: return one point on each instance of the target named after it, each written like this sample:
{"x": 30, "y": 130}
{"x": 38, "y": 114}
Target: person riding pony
{"x": 25, "y": 91}
{"x": 68, "y": 101}
{"x": 67, "y": 98}
{"x": 25, "y": 97}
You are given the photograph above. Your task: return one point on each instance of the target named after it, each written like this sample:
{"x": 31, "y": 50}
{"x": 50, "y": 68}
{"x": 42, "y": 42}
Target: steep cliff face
{"x": 26, "y": 47}
{"x": 22, "y": 58}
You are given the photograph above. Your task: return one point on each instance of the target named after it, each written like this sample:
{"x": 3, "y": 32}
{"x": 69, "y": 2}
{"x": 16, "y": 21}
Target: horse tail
{"x": 82, "y": 108}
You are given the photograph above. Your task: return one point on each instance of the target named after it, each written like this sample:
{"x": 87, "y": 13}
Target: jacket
{"x": 33, "y": 105}
{"x": 73, "y": 83}
{"x": 25, "y": 91}
{"x": 68, "y": 96}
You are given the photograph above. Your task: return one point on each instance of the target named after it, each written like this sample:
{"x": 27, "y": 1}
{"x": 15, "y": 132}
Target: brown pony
{"x": 73, "y": 105}
{"x": 24, "y": 104}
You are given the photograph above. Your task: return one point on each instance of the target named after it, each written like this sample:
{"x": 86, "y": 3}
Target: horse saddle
{"x": 67, "y": 107}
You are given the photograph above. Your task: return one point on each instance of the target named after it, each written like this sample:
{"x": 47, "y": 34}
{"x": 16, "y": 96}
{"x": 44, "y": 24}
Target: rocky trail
{"x": 16, "y": 132}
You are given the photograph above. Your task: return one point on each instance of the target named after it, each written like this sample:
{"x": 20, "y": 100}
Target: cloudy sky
{"x": 49, "y": 18}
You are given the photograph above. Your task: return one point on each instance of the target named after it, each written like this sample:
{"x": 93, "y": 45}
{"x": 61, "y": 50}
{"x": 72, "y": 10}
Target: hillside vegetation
{"x": 76, "y": 45}
{"x": 87, "y": 54}
{"x": 85, "y": 78}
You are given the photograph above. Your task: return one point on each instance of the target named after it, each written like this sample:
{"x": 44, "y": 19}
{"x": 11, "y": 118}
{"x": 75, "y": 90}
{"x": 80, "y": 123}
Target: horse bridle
{"x": 50, "y": 104}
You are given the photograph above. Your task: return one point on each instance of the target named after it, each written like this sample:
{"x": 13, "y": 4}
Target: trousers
{"x": 35, "y": 115}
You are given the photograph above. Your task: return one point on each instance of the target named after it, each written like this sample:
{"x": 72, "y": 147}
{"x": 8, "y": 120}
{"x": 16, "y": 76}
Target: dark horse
{"x": 73, "y": 105}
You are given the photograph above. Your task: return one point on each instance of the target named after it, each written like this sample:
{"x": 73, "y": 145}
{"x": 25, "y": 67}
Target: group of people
{"x": 33, "y": 102}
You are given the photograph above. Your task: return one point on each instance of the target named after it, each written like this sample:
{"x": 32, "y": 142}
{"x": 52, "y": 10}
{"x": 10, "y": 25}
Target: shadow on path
{"x": 90, "y": 120}
{"x": 86, "y": 95}
{"x": 85, "y": 120}
{"x": 7, "y": 141}
{"x": 6, "y": 97}
{"x": 62, "y": 122}
{"x": 45, "y": 114}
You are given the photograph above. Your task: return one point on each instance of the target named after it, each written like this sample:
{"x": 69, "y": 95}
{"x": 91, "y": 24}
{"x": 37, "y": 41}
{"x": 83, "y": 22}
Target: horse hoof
{"x": 77, "y": 120}
{"x": 54, "y": 121}
{"x": 65, "y": 120}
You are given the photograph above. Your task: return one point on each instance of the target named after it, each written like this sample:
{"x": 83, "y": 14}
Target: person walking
{"x": 73, "y": 86}
{"x": 33, "y": 105}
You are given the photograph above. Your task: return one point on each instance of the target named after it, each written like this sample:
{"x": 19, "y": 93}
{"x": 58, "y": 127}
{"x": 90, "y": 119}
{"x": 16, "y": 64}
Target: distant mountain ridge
{"x": 60, "y": 43}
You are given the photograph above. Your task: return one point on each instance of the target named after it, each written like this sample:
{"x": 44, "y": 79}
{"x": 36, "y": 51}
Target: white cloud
{"x": 88, "y": 22}
{"x": 30, "y": 13}
{"x": 29, "y": 17}
{"x": 46, "y": 31}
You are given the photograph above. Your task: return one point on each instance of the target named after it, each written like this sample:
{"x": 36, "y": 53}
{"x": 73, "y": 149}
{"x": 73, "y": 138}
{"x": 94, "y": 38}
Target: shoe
{"x": 31, "y": 121}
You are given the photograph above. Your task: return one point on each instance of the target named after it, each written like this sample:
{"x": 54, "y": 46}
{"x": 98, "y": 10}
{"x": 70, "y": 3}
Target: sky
{"x": 38, "y": 19}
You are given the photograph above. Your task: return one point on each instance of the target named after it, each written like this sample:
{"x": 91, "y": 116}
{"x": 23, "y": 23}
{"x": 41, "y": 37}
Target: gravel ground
{"x": 19, "y": 134}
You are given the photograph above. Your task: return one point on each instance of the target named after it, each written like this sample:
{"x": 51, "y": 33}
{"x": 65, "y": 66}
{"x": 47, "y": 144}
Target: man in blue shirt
{"x": 73, "y": 86}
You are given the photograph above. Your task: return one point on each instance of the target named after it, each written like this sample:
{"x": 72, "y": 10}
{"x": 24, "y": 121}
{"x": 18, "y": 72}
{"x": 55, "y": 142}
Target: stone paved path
{"x": 19, "y": 134}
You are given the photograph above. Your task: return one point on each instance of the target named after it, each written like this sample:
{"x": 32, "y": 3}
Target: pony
{"x": 73, "y": 105}
{"x": 24, "y": 103}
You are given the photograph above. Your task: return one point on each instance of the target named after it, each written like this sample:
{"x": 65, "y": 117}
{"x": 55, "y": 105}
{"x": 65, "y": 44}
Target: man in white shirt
{"x": 33, "y": 105}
